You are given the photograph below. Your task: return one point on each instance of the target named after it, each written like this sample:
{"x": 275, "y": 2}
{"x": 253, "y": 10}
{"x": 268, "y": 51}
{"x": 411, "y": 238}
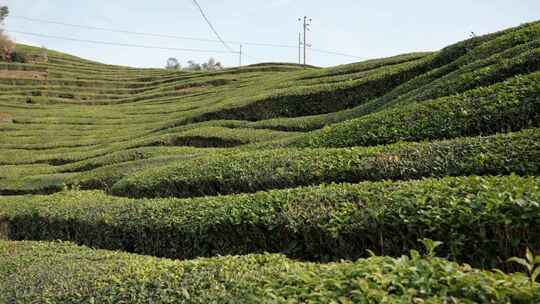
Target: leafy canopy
{"x": 4, "y": 12}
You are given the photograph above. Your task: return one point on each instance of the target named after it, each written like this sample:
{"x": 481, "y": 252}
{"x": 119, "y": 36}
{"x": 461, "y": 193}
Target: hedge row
{"x": 126, "y": 155}
{"x": 236, "y": 172}
{"x": 96, "y": 173}
{"x": 321, "y": 98}
{"x": 363, "y": 66}
{"x": 64, "y": 273}
{"x": 479, "y": 64}
{"x": 521, "y": 59}
{"x": 105, "y": 177}
{"x": 509, "y": 106}
{"x": 474, "y": 65}
{"x": 348, "y": 76}
{"x": 482, "y": 220}
{"x": 458, "y": 75}
{"x": 224, "y": 137}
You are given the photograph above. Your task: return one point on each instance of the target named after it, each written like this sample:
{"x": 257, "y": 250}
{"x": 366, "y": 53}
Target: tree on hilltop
{"x": 4, "y": 12}
{"x": 173, "y": 64}
{"x": 192, "y": 65}
{"x": 212, "y": 65}
{"x": 6, "y": 45}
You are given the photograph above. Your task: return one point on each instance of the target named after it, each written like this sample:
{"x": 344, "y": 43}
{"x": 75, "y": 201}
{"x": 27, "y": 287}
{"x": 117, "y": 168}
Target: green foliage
{"x": 18, "y": 57}
{"x": 320, "y": 98}
{"x": 4, "y": 12}
{"x": 531, "y": 262}
{"x": 478, "y": 62}
{"x": 481, "y": 220}
{"x": 431, "y": 246}
{"x": 224, "y": 137}
{"x": 69, "y": 124}
{"x": 504, "y": 107}
{"x": 96, "y": 173}
{"x": 64, "y": 273}
{"x": 250, "y": 171}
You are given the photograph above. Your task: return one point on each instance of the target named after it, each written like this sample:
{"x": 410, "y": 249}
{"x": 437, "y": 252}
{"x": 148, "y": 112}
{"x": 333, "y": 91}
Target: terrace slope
{"x": 318, "y": 164}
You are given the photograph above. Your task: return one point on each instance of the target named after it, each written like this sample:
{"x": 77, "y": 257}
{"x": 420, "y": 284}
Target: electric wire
{"x": 183, "y": 37}
{"x": 212, "y": 27}
{"x": 119, "y": 44}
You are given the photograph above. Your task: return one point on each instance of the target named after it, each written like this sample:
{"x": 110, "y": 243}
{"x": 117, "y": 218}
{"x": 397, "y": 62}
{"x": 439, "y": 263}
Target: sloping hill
{"x": 316, "y": 164}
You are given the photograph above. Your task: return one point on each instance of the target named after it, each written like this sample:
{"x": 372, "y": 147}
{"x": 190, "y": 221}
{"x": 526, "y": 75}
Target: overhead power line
{"x": 212, "y": 27}
{"x": 113, "y": 30}
{"x": 261, "y": 44}
{"x": 148, "y": 34}
{"x": 335, "y": 53}
{"x": 120, "y": 44}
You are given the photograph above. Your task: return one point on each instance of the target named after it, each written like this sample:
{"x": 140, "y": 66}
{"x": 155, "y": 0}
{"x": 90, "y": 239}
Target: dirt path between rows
{"x": 5, "y": 118}
{"x": 36, "y": 75}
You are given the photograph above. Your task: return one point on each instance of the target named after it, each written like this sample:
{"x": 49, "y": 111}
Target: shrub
{"x": 481, "y": 220}
{"x": 523, "y": 58}
{"x": 64, "y": 273}
{"x": 6, "y": 47}
{"x": 223, "y": 137}
{"x": 483, "y": 62}
{"x": 504, "y": 107}
{"x": 250, "y": 171}
{"x": 321, "y": 98}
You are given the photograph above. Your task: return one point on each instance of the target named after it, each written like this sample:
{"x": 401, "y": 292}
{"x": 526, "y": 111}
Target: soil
{"x": 23, "y": 75}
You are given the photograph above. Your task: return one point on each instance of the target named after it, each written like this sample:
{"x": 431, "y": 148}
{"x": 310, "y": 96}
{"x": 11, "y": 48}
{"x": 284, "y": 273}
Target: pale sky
{"x": 368, "y": 29}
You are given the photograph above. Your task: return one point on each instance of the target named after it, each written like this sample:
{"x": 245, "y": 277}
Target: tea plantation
{"x": 410, "y": 179}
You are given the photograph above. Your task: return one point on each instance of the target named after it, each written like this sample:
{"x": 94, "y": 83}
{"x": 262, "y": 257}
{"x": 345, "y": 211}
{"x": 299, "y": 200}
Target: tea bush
{"x": 64, "y": 273}
{"x": 250, "y": 171}
{"x": 481, "y": 220}
{"x": 504, "y": 107}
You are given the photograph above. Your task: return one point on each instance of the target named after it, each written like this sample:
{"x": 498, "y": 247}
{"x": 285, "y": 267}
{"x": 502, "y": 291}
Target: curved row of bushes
{"x": 363, "y": 66}
{"x": 519, "y": 60}
{"x": 224, "y": 137}
{"x": 509, "y": 106}
{"x": 96, "y": 173}
{"x": 481, "y": 220}
{"x": 475, "y": 65}
{"x": 65, "y": 273}
{"x": 322, "y": 98}
{"x": 236, "y": 172}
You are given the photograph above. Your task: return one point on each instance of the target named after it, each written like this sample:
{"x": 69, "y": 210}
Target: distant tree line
{"x": 211, "y": 65}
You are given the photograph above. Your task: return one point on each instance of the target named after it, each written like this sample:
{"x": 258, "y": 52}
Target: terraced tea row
{"x": 250, "y": 171}
{"x": 481, "y": 220}
{"x": 211, "y": 172}
{"x": 238, "y": 112}
{"x": 508, "y": 106}
{"x": 65, "y": 273}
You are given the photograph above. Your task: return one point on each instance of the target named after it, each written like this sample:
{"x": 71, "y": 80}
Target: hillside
{"x": 278, "y": 181}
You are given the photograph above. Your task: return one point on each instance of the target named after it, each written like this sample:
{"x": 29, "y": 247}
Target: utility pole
{"x": 305, "y": 31}
{"x": 299, "y": 48}
{"x": 240, "y": 53}
{"x": 306, "y": 26}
